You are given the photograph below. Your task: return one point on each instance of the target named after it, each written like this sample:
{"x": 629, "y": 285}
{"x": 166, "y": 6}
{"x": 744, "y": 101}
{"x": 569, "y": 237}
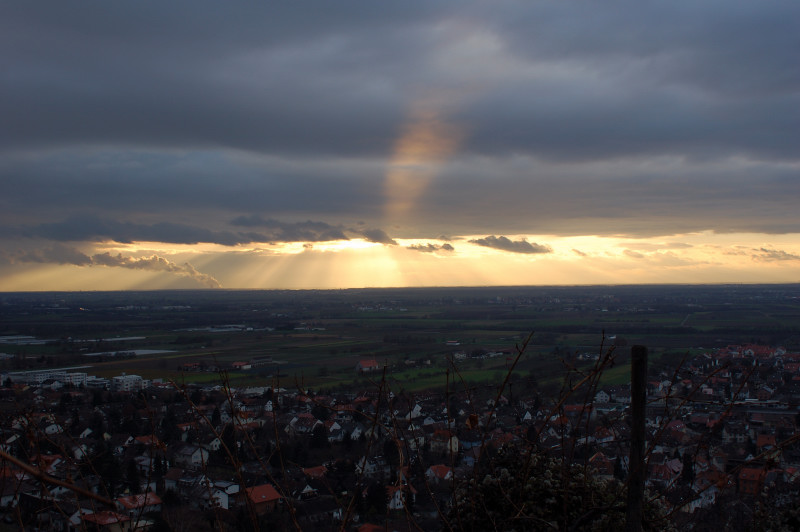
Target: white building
{"x": 128, "y": 383}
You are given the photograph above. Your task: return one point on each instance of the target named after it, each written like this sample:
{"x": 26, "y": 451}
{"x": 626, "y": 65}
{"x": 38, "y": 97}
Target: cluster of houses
{"x": 722, "y": 424}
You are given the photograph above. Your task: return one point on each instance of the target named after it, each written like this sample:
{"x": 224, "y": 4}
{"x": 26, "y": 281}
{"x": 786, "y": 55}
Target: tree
{"x": 376, "y": 498}
{"x": 524, "y": 490}
{"x": 320, "y": 412}
{"x": 158, "y": 466}
{"x": 319, "y": 438}
{"x": 687, "y": 473}
{"x": 619, "y": 471}
{"x": 132, "y": 476}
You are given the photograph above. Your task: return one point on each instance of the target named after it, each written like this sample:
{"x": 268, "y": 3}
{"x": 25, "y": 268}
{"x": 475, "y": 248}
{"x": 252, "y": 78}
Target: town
{"x": 125, "y": 452}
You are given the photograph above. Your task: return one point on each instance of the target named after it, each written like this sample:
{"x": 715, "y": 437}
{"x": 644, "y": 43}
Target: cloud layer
{"x": 61, "y": 254}
{"x": 190, "y": 122}
{"x": 505, "y": 244}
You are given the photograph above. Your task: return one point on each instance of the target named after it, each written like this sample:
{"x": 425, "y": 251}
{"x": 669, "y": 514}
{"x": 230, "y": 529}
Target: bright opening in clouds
{"x": 350, "y": 144}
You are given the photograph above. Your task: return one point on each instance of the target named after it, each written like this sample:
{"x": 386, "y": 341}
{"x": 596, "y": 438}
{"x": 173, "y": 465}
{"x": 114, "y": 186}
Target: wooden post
{"x": 636, "y": 465}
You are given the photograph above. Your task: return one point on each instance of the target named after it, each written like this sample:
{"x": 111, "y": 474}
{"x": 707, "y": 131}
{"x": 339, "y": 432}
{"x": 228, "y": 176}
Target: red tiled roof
{"x": 765, "y": 439}
{"x": 315, "y": 472}
{"x": 150, "y": 439}
{"x": 369, "y": 527}
{"x": 133, "y": 502}
{"x": 752, "y": 473}
{"x": 263, "y": 493}
{"x": 440, "y": 470}
{"x": 105, "y": 518}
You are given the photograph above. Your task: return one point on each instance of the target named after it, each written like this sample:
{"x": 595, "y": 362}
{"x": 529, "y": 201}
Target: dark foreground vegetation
{"x": 398, "y": 409}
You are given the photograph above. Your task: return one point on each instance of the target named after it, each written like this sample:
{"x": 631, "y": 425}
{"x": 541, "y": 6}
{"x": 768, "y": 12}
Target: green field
{"x": 316, "y": 338}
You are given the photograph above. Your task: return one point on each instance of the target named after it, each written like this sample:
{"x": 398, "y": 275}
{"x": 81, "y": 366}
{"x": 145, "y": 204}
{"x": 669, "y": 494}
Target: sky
{"x": 193, "y": 144}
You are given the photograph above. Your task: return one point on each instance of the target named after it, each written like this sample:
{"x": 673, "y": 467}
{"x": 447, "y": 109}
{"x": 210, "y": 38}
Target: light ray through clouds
{"x": 330, "y": 146}
{"x": 425, "y": 143}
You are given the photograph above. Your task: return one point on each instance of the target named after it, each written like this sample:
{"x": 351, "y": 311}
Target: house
{"x": 231, "y": 488}
{"x": 373, "y": 467}
{"x": 105, "y": 521}
{"x": 264, "y": 498}
{"x": 765, "y": 442}
{"x": 216, "y": 498}
{"x": 602, "y": 397}
{"x": 315, "y": 473}
{"x": 444, "y": 441}
{"x": 439, "y": 473}
{"x": 602, "y": 464}
{"x": 211, "y": 443}
{"x": 191, "y": 456}
{"x": 303, "y": 423}
{"x": 306, "y": 493}
{"x": 367, "y": 365}
{"x": 335, "y": 431}
{"x": 133, "y": 505}
{"x": 219, "y": 494}
{"x": 751, "y": 480}
{"x": 398, "y": 495}
{"x": 171, "y": 478}
{"x": 151, "y": 440}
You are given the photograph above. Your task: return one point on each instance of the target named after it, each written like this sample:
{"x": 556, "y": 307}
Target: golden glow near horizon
{"x": 691, "y": 258}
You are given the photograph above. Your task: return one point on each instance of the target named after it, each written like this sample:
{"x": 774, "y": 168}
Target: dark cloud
{"x": 431, "y": 248}
{"x": 774, "y": 255}
{"x": 620, "y": 119}
{"x": 55, "y": 254}
{"x": 579, "y": 252}
{"x": 97, "y": 229}
{"x": 61, "y": 254}
{"x": 517, "y": 246}
{"x": 292, "y": 232}
{"x": 681, "y": 77}
{"x": 379, "y": 236}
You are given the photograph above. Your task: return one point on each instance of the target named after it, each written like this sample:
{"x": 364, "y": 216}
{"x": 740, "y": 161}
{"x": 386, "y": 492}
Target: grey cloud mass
{"x": 292, "y": 232}
{"x": 379, "y": 236}
{"x": 772, "y": 255}
{"x": 94, "y": 228}
{"x": 189, "y": 122}
{"x": 55, "y": 254}
{"x": 515, "y": 246}
{"x": 431, "y": 248}
{"x": 61, "y": 254}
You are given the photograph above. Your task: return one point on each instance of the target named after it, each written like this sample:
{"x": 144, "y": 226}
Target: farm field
{"x": 423, "y": 337}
